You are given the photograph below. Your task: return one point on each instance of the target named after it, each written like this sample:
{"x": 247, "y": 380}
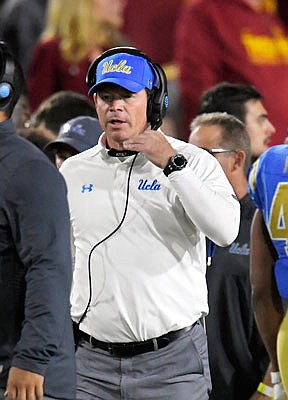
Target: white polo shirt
{"x": 148, "y": 277}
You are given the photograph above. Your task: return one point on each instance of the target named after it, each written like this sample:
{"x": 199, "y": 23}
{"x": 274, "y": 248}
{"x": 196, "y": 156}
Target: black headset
{"x": 157, "y": 100}
{"x": 7, "y": 69}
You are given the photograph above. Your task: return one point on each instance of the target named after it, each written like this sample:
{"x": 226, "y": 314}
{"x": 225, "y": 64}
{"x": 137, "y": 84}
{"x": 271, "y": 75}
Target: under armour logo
{"x": 87, "y": 187}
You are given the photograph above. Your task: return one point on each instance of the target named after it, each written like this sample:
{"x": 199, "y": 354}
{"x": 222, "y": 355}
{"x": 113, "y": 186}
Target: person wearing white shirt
{"x": 141, "y": 204}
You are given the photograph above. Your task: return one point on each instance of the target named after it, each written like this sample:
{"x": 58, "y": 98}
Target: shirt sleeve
{"x": 39, "y": 218}
{"x": 208, "y": 198}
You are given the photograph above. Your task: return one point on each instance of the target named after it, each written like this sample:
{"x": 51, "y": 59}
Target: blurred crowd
{"x": 194, "y": 41}
{"x": 219, "y": 56}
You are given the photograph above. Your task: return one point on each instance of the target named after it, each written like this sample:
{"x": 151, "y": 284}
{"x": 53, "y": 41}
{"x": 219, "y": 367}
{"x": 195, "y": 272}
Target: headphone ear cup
{"x": 6, "y": 94}
{"x": 154, "y": 110}
{"x": 150, "y": 109}
{"x": 91, "y": 74}
{"x": 159, "y": 99}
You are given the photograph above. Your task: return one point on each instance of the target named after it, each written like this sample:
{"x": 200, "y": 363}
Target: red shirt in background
{"x": 226, "y": 40}
{"x": 50, "y": 73}
{"x": 149, "y": 25}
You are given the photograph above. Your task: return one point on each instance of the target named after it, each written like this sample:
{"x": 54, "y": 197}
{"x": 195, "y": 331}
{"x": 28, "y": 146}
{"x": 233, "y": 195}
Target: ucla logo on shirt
{"x": 144, "y": 184}
{"x": 236, "y": 248}
{"x": 87, "y": 188}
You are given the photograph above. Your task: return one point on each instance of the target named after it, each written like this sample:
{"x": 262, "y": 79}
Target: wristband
{"x": 265, "y": 389}
{"x": 275, "y": 377}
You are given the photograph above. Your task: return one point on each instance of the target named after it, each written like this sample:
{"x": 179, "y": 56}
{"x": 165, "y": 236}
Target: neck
{"x": 239, "y": 184}
{"x": 118, "y": 151}
{"x": 111, "y": 144}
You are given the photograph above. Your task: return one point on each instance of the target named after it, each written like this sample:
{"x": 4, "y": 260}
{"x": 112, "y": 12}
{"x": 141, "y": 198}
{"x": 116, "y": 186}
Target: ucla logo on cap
{"x": 131, "y": 72}
{"x": 120, "y": 67}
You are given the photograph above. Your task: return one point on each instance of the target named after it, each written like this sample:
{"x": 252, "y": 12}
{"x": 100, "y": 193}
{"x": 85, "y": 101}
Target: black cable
{"x": 105, "y": 238}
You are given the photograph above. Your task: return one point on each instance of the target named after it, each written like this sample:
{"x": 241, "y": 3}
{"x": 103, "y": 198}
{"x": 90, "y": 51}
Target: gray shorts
{"x": 178, "y": 371}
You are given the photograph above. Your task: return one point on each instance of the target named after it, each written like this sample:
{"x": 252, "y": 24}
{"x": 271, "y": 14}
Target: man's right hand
{"x": 24, "y": 385}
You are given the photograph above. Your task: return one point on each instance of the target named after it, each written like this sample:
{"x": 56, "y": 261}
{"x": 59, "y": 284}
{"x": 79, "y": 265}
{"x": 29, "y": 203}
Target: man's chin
{"x": 118, "y": 136}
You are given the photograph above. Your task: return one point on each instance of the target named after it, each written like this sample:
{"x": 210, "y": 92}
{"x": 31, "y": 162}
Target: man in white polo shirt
{"x": 141, "y": 204}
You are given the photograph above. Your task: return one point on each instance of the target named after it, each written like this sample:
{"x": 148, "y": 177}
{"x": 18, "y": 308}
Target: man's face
{"x": 110, "y": 12}
{"x": 121, "y": 113}
{"x": 259, "y": 128}
{"x": 62, "y": 152}
{"x": 210, "y": 137}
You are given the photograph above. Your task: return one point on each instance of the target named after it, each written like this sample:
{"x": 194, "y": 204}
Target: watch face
{"x": 176, "y": 163}
{"x": 179, "y": 161}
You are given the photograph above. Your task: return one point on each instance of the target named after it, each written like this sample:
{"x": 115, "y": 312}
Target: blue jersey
{"x": 268, "y": 188}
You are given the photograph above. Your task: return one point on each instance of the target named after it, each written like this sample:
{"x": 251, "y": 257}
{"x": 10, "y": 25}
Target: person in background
{"x": 58, "y": 109}
{"x": 21, "y": 24}
{"x": 139, "y": 307}
{"x": 75, "y": 33}
{"x": 36, "y": 136}
{"x": 268, "y": 187}
{"x": 37, "y": 359}
{"x": 237, "y": 364}
{"x": 245, "y": 103}
{"x": 76, "y": 135}
{"x": 237, "y": 41}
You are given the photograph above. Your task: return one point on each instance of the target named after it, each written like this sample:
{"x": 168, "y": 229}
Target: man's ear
{"x": 95, "y": 98}
{"x": 239, "y": 160}
{"x": 3, "y": 116}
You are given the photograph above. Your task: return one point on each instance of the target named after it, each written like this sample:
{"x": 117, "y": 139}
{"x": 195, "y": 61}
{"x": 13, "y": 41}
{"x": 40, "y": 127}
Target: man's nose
{"x": 270, "y": 127}
{"x": 116, "y": 104}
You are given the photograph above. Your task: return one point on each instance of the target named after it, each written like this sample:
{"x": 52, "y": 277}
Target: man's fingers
{"x": 39, "y": 392}
{"x": 11, "y": 393}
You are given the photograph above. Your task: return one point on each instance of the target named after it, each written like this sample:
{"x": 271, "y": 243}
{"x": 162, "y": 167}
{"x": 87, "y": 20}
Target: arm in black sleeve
{"x": 41, "y": 229}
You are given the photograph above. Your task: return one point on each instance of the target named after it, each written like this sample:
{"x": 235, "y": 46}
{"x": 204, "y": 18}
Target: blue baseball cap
{"x": 132, "y": 72}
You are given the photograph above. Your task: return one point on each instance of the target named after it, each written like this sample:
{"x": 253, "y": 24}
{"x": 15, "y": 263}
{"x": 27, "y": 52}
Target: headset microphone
{"x": 121, "y": 153}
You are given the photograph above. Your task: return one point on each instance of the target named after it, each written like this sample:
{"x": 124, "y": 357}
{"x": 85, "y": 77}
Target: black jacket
{"x": 35, "y": 267}
{"x": 237, "y": 356}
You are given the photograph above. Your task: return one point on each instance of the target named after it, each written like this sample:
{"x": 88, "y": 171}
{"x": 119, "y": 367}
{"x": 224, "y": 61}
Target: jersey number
{"x": 278, "y": 223}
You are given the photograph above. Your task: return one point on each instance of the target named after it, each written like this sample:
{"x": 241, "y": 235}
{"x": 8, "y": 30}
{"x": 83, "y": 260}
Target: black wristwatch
{"x": 176, "y": 163}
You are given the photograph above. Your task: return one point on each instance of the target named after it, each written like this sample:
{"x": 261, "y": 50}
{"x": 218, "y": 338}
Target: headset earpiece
{"x": 5, "y": 90}
{"x": 158, "y": 102}
{"x": 6, "y": 77}
{"x": 158, "y": 99}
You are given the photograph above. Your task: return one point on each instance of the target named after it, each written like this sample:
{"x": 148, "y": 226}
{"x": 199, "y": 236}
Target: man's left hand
{"x": 154, "y": 145}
